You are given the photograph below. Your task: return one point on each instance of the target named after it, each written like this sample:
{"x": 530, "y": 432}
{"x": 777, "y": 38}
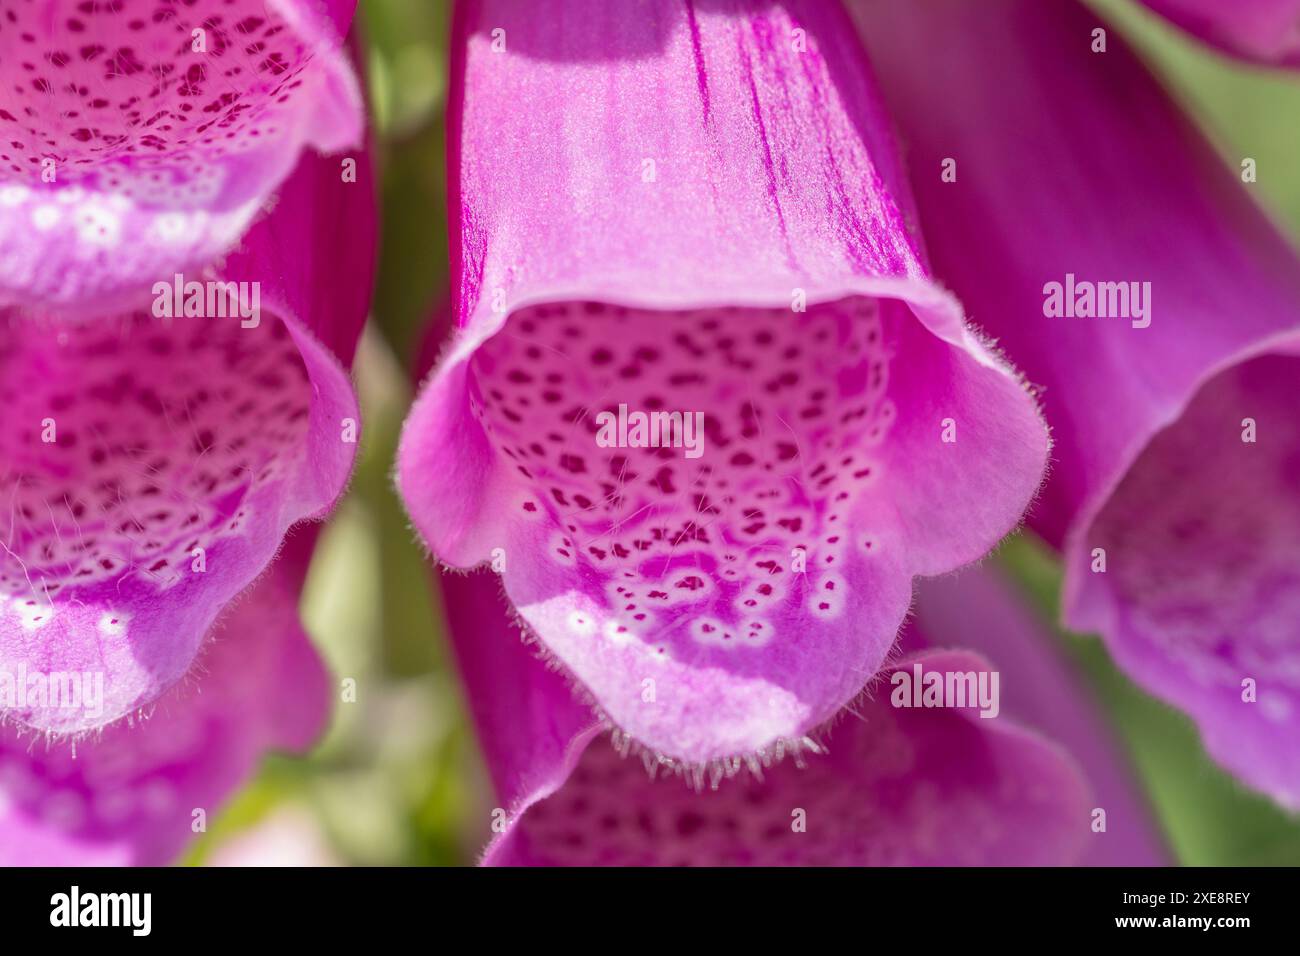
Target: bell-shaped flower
{"x": 1123, "y": 266}
{"x": 140, "y": 138}
{"x": 140, "y": 791}
{"x": 1012, "y": 774}
{"x": 151, "y": 461}
{"x": 705, "y": 411}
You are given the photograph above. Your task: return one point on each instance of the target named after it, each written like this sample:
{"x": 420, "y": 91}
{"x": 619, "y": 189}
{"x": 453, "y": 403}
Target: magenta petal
{"x": 611, "y": 251}
{"x": 140, "y": 139}
{"x": 150, "y": 468}
{"x": 1265, "y": 31}
{"x": 977, "y": 610}
{"x": 1201, "y": 598}
{"x": 129, "y": 795}
{"x": 530, "y": 726}
{"x": 1198, "y": 525}
{"x": 898, "y": 787}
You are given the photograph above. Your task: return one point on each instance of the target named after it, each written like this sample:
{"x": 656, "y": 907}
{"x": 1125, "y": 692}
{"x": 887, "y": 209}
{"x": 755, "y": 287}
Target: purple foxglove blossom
{"x": 149, "y": 468}
{"x": 894, "y": 786}
{"x": 978, "y": 611}
{"x": 1266, "y": 31}
{"x": 130, "y": 795}
{"x": 139, "y": 138}
{"x": 697, "y": 212}
{"x": 1176, "y": 493}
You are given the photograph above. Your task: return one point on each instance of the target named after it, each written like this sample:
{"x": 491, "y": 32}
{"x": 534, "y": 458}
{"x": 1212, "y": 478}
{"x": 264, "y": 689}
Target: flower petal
{"x": 613, "y": 252}
{"x": 898, "y": 786}
{"x": 976, "y": 610}
{"x": 1201, "y": 599}
{"x": 1197, "y": 525}
{"x": 530, "y": 726}
{"x": 903, "y": 788}
{"x": 141, "y": 138}
{"x": 153, "y": 466}
{"x": 129, "y": 795}
{"x": 1266, "y": 31}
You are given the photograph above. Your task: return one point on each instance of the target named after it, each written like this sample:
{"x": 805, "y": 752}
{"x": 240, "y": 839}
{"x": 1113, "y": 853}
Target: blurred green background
{"x": 398, "y": 779}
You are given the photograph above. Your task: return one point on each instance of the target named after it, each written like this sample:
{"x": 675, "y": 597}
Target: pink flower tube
{"x": 888, "y": 786}
{"x": 705, "y": 409}
{"x": 1176, "y": 490}
{"x": 140, "y": 138}
{"x": 150, "y": 467}
{"x": 138, "y": 792}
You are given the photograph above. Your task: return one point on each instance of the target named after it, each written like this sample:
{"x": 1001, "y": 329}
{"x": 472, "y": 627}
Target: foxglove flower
{"x": 696, "y": 211}
{"x": 978, "y": 611}
{"x": 140, "y": 790}
{"x": 893, "y": 786}
{"x": 1265, "y": 31}
{"x": 139, "y": 138}
{"x": 150, "y": 468}
{"x": 1176, "y": 495}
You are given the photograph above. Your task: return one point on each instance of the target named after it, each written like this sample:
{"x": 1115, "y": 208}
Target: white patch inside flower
{"x": 618, "y": 632}
{"x": 112, "y": 624}
{"x": 98, "y": 226}
{"x": 34, "y": 615}
{"x": 581, "y": 623}
{"x": 826, "y": 601}
{"x": 171, "y": 227}
{"x": 46, "y": 217}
